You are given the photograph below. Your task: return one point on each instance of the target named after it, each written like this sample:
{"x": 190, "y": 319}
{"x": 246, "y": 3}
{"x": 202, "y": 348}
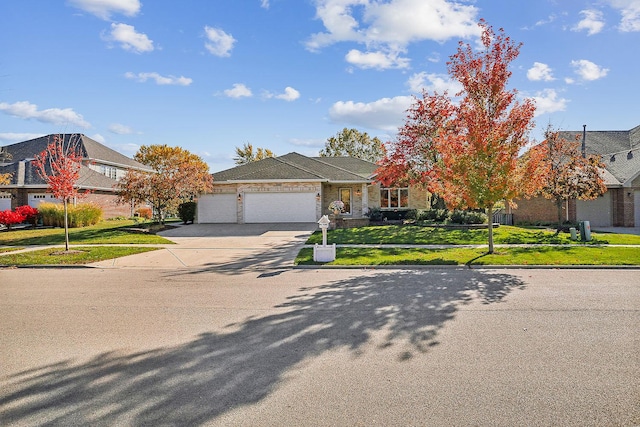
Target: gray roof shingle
{"x": 619, "y": 150}
{"x": 294, "y": 166}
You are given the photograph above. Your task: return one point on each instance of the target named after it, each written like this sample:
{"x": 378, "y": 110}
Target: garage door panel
{"x": 217, "y": 208}
{"x": 279, "y": 207}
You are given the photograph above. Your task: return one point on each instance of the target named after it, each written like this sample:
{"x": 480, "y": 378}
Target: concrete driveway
{"x": 223, "y": 247}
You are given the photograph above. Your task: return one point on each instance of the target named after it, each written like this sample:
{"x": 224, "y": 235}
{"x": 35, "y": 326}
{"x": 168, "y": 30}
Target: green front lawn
{"x": 416, "y": 235}
{"x": 78, "y": 255}
{"x": 105, "y": 232}
{"x": 547, "y": 255}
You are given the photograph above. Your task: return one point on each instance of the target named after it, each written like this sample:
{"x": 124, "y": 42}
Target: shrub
{"x": 80, "y": 215}
{"x": 9, "y": 218}
{"x": 411, "y": 214}
{"x": 29, "y": 213}
{"x": 467, "y": 217}
{"x": 374, "y": 214}
{"x": 432, "y": 215}
{"x": 84, "y": 214}
{"x": 144, "y": 213}
{"x": 187, "y": 212}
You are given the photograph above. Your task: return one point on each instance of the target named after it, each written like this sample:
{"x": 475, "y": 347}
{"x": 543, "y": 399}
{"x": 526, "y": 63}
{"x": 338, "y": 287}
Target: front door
{"x": 345, "y": 197}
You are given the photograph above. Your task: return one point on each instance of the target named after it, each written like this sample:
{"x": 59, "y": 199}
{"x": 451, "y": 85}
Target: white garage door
{"x": 35, "y": 199}
{"x": 279, "y": 207}
{"x": 598, "y": 212}
{"x": 217, "y": 208}
{"x": 5, "y": 202}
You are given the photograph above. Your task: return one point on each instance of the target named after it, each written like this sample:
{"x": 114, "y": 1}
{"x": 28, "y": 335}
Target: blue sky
{"x": 286, "y": 75}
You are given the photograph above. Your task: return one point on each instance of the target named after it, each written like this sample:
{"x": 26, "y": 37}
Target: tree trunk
{"x": 559, "y": 207}
{"x": 66, "y": 225}
{"x": 490, "y": 220}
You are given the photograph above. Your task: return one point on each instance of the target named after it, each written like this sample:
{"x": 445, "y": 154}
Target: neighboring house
{"x": 101, "y": 169}
{"x": 620, "y": 205}
{"x": 297, "y": 188}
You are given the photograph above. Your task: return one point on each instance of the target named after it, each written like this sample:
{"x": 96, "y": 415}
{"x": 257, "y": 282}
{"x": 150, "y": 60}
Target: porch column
{"x": 365, "y": 199}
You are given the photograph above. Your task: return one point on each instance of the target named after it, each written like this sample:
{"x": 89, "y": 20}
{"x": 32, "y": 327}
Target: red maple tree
{"x": 467, "y": 150}
{"x": 59, "y": 166}
{"x": 567, "y": 172}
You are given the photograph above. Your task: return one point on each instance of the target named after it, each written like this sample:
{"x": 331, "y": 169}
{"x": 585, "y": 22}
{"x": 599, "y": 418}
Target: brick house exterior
{"x": 101, "y": 169}
{"x": 620, "y": 205}
{"x": 297, "y": 188}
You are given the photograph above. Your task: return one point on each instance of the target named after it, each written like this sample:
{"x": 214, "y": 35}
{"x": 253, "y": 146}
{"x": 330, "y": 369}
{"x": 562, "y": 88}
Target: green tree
{"x": 353, "y": 143}
{"x": 247, "y": 155}
{"x": 177, "y": 176}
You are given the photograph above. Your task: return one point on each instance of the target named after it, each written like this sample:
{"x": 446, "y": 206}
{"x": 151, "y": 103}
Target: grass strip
{"x": 418, "y": 235}
{"x": 574, "y": 255}
{"x": 78, "y": 255}
{"x": 10, "y": 249}
{"x": 117, "y": 232}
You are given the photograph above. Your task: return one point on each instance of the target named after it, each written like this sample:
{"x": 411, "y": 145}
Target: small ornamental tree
{"x": 9, "y": 218}
{"x": 353, "y": 143}
{"x": 177, "y": 176}
{"x": 567, "y": 173}
{"x": 59, "y": 166}
{"x": 468, "y": 151}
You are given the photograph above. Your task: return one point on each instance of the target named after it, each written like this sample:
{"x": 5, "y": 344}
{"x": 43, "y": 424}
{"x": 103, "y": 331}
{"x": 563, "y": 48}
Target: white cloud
{"x": 539, "y": 72}
{"x": 238, "y": 91}
{"x": 129, "y": 39}
{"x": 120, "y": 129}
{"x": 104, "y": 8}
{"x": 264, "y": 4}
{"x": 630, "y": 11}
{"x": 385, "y": 114}
{"x": 592, "y": 22}
{"x": 57, "y": 116}
{"x": 219, "y": 43}
{"x": 160, "y": 80}
{"x": 547, "y": 101}
{"x": 19, "y": 137}
{"x": 290, "y": 94}
{"x": 98, "y": 137}
{"x": 587, "y": 70}
{"x": 430, "y": 82}
{"x": 390, "y": 26}
{"x": 379, "y": 60}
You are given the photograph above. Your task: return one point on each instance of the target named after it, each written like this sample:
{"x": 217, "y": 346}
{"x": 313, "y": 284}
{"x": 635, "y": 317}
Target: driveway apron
{"x": 223, "y": 247}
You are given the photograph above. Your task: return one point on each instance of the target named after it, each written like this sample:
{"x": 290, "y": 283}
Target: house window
{"x": 393, "y": 198}
{"x": 109, "y": 171}
{"x": 345, "y": 197}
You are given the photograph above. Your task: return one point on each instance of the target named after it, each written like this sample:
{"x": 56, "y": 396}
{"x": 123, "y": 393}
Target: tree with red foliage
{"x": 567, "y": 172}
{"x": 177, "y": 176}
{"x": 59, "y": 166}
{"x": 9, "y": 218}
{"x": 468, "y": 151}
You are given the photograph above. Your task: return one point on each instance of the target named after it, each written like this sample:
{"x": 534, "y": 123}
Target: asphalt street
{"x": 313, "y": 347}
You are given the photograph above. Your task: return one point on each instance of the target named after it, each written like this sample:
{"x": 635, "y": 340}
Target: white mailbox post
{"x": 324, "y": 252}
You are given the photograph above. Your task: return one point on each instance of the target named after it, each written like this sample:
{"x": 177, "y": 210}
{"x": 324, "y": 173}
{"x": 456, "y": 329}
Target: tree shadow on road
{"x": 399, "y": 312}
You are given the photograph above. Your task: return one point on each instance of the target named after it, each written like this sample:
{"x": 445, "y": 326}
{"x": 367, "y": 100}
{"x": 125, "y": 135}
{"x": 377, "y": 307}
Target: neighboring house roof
{"x": 619, "y": 151}
{"x": 24, "y": 174}
{"x": 90, "y": 150}
{"x": 294, "y": 166}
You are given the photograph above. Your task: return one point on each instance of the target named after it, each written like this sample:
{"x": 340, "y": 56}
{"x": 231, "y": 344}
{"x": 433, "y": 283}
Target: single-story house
{"x": 620, "y": 205}
{"x": 297, "y": 188}
{"x": 101, "y": 169}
